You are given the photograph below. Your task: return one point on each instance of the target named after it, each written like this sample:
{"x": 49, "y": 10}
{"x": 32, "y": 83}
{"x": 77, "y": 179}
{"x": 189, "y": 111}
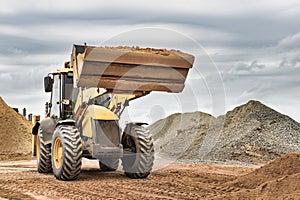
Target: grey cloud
{"x": 292, "y": 63}
{"x": 258, "y": 91}
{"x": 254, "y": 66}
{"x": 290, "y": 43}
{"x": 258, "y": 27}
{"x": 255, "y": 46}
{"x": 24, "y": 45}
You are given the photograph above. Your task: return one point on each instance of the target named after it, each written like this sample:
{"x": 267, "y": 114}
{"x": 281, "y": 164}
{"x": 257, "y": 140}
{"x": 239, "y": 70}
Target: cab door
{"x": 55, "y": 110}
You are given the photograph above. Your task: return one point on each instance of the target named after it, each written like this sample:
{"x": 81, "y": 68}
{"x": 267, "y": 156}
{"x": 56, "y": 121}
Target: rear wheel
{"x": 66, "y": 153}
{"x": 43, "y": 155}
{"x": 109, "y": 164}
{"x": 138, "y": 151}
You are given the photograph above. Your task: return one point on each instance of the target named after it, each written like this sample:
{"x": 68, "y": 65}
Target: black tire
{"x": 109, "y": 164}
{"x": 138, "y": 148}
{"x": 66, "y": 153}
{"x": 43, "y": 155}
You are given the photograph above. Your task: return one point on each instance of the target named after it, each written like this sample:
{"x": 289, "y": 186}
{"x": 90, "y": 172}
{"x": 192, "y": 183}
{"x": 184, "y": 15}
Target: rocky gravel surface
{"x": 249, "y": 134}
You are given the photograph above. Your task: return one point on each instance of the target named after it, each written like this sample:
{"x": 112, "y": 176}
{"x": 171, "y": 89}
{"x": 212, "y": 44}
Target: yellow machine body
{"x": 88, "y": 97}
{"x": 94, "y": 88}
{"x": 95, "y": 112}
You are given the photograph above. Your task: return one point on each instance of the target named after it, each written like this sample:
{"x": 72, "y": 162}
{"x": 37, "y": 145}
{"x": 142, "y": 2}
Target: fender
{"x": 128, "y": 126}
{"x": 48, "y": 126}
{"x": 47, "y": 129}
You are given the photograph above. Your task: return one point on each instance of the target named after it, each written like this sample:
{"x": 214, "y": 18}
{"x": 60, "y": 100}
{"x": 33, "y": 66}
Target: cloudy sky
{"x": 244, "y": 49}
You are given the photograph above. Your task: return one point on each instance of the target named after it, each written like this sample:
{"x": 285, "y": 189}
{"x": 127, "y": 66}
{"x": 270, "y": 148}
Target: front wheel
{"x": 66, "y": 153}
{"x": 138, "y": 151}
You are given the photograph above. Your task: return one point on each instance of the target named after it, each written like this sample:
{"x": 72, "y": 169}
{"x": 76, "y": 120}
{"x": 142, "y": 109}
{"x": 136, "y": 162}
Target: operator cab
{"x": 61, "y": 87}
{"x": 64, "y": 95}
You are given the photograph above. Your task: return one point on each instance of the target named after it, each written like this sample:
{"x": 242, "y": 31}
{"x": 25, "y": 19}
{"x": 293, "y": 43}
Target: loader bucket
{"x": 126, "y": 69}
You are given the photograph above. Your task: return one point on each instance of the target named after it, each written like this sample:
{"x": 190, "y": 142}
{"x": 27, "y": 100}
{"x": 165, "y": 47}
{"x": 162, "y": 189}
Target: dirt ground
{"x": 19, "y": 180}
{"x": 279, "y": 179}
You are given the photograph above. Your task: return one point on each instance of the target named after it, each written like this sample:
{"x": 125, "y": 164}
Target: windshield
{"x": 68, "y": 87}
{"x": 103, "y": 100}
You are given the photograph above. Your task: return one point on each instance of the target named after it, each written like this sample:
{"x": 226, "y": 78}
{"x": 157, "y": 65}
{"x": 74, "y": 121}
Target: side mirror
{"x": 48, "y": 82}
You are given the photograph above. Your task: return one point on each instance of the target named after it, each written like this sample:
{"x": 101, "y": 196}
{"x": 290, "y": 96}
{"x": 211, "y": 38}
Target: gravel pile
{"x": 175, "y": 134}
{"x": 250, "y": 134}
{"x": 15, "y": 133}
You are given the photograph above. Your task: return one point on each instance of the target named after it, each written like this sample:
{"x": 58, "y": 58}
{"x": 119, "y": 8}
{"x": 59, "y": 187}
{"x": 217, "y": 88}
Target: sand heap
{"x": 279, "y": 179}
{"x": 250, "y": 134}
{"x": 15, "y": 133}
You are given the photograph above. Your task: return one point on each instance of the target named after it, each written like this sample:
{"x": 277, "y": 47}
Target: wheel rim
{"x": 57, "y": 153}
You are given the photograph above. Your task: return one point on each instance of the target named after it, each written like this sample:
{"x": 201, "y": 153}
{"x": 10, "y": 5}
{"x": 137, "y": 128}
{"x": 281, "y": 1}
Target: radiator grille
{"x": 107, "y": 133}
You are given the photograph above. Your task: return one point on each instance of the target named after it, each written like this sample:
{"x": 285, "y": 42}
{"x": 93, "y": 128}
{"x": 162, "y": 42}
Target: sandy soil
{"x": 279, "y": 179}
{"x": 19, "y": 180}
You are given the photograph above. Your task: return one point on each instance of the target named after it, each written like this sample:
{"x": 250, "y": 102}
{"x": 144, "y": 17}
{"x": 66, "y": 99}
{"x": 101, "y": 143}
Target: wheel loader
{"x": 88, "y": 97}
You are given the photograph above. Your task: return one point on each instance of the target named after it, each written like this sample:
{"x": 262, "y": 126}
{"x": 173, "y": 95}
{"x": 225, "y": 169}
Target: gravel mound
{"x": 15, "y": 133}
{"x": 175, "y": 134}
{"x": 250, "y": 134}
